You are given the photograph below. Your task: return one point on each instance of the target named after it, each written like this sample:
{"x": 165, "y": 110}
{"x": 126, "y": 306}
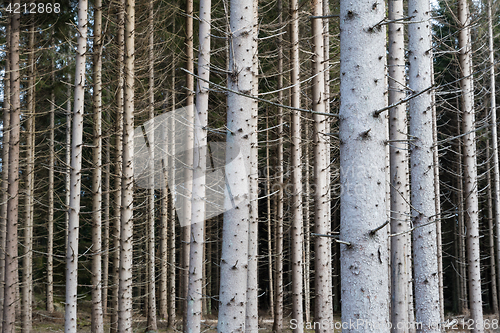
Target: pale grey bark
{"x": 296, "y": 174}
{"x": 188, "y": 171}
{"x": 234, "y": 258}
{"x": 470, "y": 167}
{"x": 421, "y": 157}
{"x": 322, "y": 219}
{"x": 127, "y": 193}
{"x": 97, "y": 313}
{"x": 151, "y": 324}
{"x": 70, "y": 322}
{"x": 399, "y": 173}
{"x": 5, "y": 165}
{"x": 50, "y": 195}
{"x": 27, "y": 278}
{"x": 252, "y": 315}
{"x": 106, "y": 217}
{"x": 362, "y": 166}
{"x": 198, "y": 208}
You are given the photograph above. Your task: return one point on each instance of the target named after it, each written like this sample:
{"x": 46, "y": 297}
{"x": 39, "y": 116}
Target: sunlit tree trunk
{"x": 470, "y": 168}
{"x": 97, "y": 314}
{"x": 70, "y": 320}
{"x": 127, "y": 193}
{"x": 362, "y": 165}
{"x": 400, "y": 269}
{"x": 322, "y": 246}
{"x": 234, "y": 258}
{"x": 198, "y": 208}
{"x": 422, "y": 189}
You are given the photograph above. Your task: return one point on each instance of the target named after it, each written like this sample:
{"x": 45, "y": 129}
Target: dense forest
{"x": 246, "y": 165}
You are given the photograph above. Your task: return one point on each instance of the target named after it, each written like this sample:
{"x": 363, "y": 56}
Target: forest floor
{"x": 46, "y": 322}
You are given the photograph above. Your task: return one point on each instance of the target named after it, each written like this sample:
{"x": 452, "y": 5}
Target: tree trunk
{"x": 171, "y": 237}
{"x": 494, "y": 134}
{"x": 127, "y": 193}
{"x": 70, "y": 322}
{"x": 11, "y": 265}
{"x": 50, "y": 194}
{"x": 252, "y": 312}
{"x": 296, "y": 174}
{"x": 362, "y": 168}
{"x": 151, "y": 288}
{"x": 97, "y": 314}
{"x": 67, "y": 174}
{"x": 400, "y": 268}
{"x": 491, "y": 233}
{"x": 27, "y": 279}
{"x": 106, "y": 204}
{"x": 5, "y": 163}
{"x": 198, "y": 208}
{"x": 234, "y": 258}
{"x": 422, "y": 189}
{"x": 470, "y": 168}
{"x": 188, "y": 171}
{"x": 118, "y": 167}
{"x": 322, "y": 246}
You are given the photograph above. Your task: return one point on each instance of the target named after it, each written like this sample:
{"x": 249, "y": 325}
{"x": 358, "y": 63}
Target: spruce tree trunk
{"x": 471, "y": 207}
{"x": 491, "y": 233}
{"x": 70, "y": 322}
{"x": 365, "y": 284}
{"x": 127, "y": 193}
{"x": 400, "y": 269}
{"x": 50, "y": 194}
{"x": 422, "y": 190}
{"x": 322, "y": 219}
{"x": 234, "y": 258}
{"x": 198, "y": 208}
{"x": 27, "y": 278}
{"x": 97, "y": 314}
{"x": 296, "y": 173}
{"x": 151, "y": 288}
{"x": 118, "y": 146}
{"x": 494, "y": 136}
{"x": 5, "y": 168}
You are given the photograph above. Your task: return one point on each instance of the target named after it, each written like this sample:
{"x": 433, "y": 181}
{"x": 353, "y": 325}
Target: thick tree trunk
{"x": 322, "y": 246}
{"x": 400, "y": 264}
{"x": 362, "y": 166}
{"x": 27, "y": 279}
{"x": 67, "y": 174}
{"x": 234, "y": 258}
{"x": 97, "y": 314}
{"x": 422, "y": 189}
{"x": 470, "y": 168}
{"x": 198, "y": 208}
{"x": 75, "y": 182}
